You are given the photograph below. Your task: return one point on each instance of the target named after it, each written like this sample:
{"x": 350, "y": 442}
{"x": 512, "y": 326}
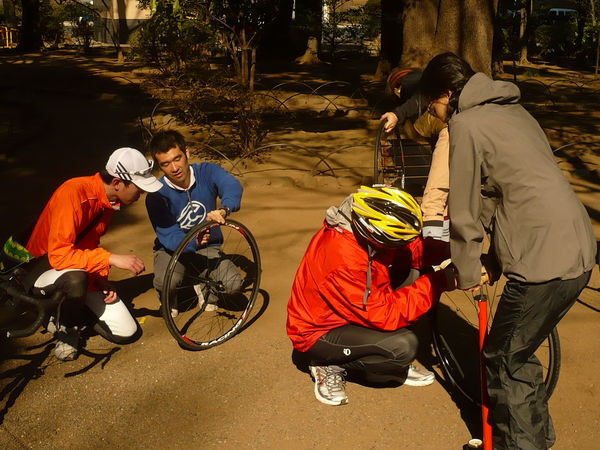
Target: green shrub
{"x": 172, "y": 40}
{"x": 554, "y": 40}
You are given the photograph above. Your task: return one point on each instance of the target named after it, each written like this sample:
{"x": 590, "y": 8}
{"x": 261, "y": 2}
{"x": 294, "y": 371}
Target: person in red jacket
{"x": 347, "y": 311}
{"x": 66, "y": 256}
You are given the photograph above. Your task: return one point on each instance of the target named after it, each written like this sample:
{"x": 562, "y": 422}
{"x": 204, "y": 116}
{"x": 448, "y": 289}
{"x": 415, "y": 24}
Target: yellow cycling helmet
{"x": 386, "y": 216}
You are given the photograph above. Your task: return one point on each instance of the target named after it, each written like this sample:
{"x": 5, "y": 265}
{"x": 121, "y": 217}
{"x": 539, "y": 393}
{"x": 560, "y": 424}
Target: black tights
{"x": 375, "y": 354}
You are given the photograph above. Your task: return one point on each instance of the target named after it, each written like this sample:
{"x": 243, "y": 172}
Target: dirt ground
{"x": 65, "y": 116}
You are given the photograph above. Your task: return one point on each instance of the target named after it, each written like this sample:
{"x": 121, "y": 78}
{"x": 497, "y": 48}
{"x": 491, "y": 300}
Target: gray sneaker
{"x": 67, "y": 343}
{"x": 419, "y": 376}
{"x": 329, "y": 384}
{"x": 174, "y": 311}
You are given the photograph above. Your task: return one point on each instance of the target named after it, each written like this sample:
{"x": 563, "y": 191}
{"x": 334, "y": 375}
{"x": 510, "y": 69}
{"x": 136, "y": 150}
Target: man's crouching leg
{"x": 114, "y": 321}
{"x": 65, "y": 323}
{"x": 385, "y": 356}
{"x": 380, "y": 356}
{"x": 371, "y": 355}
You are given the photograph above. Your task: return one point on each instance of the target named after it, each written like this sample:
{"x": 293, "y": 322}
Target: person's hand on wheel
{"x": 203, "y": 238}
{"x": 217, "y": 215}
{"x": 391, "y": 120}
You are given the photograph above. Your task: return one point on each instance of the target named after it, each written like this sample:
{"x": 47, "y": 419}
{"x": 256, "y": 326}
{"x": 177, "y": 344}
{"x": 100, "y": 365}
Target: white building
{"x": 118, "y": 18}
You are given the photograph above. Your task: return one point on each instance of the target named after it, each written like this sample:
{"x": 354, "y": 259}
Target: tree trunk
{"x": 114, "y": 37}
{"x": 478, "y": 33}
{"x": 252, "y": 70}
{"x": 311, "y": 54}
{"x": 464, "y": 27}
{"x": 244, "y": 63}
{"x": 524, "y": 30}
{"x": 419, "y": 32}
{"x": 498, "y": 49}
{"x": 597, "y": 53}
{"x": 31, "y": 35}
{"x": 391, "y": 38}
{"x": 594, "y": 23}
{"x": 383, "y": 70}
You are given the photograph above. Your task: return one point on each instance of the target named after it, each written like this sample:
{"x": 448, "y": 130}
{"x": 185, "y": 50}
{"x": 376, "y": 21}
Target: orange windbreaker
{"x": 331, "y": 280}
{"x": 72, "y": 207}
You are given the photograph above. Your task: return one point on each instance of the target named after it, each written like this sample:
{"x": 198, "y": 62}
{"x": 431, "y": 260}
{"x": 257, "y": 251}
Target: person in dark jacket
{"x": 505, "y": 182}
{"x": 189, "y": 196}
{"x": 346, "y": 311}
{"x": 404, "y": 83}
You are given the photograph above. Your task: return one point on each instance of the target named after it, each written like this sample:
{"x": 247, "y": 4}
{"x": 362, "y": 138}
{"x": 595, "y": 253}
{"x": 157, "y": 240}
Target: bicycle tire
{"x": 21, "y": 315}
{"x": 385, "y": 169}
{"x": 195, "y": 327}
{"x": 455, "y": 342}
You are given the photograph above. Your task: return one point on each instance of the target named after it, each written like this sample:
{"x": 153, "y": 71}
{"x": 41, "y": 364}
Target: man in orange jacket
{"x": 348, "y": 309}
{"x": 65, "y": 244}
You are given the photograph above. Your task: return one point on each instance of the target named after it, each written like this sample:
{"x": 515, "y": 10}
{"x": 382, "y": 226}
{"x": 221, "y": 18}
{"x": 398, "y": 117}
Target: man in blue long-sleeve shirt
{"x": 188, "y": 197}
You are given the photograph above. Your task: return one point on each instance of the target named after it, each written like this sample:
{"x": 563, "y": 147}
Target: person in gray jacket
{"x": 505, "y": 182}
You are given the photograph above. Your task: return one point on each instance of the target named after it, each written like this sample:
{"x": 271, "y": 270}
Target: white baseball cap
{"x": 129, "y": 164}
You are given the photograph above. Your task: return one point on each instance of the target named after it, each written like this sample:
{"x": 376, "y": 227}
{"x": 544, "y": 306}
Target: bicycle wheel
{"x": 455, "y": 341}
{"x": 388, "y": 162}
{"x": 216, "y": 295}
{"x": 18, "y": 318}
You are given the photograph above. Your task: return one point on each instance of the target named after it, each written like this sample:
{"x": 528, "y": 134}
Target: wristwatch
{"x": 226, "y": 209}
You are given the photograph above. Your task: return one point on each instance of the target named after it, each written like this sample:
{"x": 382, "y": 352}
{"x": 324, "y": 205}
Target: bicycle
{"x": 455, "y": 333}
{"x": 208, "y": 310}
{"x": 23, "y": 313}
{"x": 400, "y": 162}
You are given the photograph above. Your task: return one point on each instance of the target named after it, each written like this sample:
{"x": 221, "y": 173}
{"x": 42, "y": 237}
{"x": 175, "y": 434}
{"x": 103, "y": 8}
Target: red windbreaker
{"x": 330, "y": 283}
{"x": 72, "y": 207}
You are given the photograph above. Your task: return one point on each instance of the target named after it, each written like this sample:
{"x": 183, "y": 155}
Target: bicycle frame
{"x": 44, "y": 306}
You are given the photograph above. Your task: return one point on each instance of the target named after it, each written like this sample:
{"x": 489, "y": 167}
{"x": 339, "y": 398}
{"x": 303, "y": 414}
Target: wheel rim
{"x": 455, "y": 341}
{"x": 386, "y": 169}
{"x": 217, "y": 294}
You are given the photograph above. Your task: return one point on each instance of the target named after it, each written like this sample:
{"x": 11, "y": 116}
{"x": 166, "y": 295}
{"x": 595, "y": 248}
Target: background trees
{"x": 465, "y": 27}
{"x": 401, "y": 32}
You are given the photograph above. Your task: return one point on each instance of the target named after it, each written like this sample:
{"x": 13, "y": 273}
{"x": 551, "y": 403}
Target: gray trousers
{"x": 526, "y": 315}
{"x": 208, "y": 262}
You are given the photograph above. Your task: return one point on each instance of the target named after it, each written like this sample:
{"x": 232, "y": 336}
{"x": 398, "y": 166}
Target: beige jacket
{"x": 435, "y": 197}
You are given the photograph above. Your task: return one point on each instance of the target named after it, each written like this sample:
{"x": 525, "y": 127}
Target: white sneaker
{"x": 67, "y": 342}
{"x": 51, "y": 327}
{"x": 419, "y": 376}
{"x": 330, "y": 385}
{"x": 202, "y": 300}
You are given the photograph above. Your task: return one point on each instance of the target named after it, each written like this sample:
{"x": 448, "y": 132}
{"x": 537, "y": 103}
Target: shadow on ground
{"x": 59, "y": 119}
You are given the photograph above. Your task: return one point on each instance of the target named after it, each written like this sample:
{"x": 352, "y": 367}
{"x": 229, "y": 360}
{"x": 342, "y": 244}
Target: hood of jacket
{"x": 482, "y": 89}
{"x": 340, "y": 216}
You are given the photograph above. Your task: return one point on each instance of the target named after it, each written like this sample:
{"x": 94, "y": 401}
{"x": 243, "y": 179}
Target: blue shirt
{"x": 174, "y": 211}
